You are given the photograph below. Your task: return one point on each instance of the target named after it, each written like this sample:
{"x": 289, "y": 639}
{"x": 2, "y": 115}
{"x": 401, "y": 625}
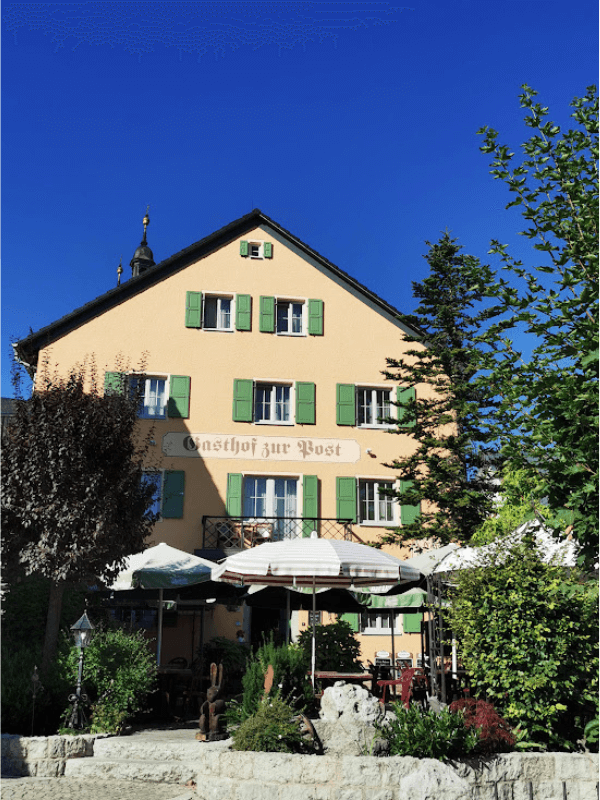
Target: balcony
{"x": 232, "y": 534}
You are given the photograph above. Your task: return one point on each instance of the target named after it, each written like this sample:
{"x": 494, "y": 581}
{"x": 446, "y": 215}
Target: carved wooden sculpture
{"x": 212, "y": 720}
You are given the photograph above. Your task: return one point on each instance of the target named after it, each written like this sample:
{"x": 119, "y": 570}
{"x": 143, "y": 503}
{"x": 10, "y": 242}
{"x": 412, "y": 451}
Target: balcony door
{"x": 272, "y": 497}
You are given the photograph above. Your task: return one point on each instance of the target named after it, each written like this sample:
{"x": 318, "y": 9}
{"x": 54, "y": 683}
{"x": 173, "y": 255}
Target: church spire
{"x": 143, "y": 257}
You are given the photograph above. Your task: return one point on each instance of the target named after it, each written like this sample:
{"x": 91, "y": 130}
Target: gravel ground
{"x": 77, "y": 789}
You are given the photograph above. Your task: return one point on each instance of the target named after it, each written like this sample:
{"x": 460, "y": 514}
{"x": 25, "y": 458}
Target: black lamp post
{"x": 82, "y": 633}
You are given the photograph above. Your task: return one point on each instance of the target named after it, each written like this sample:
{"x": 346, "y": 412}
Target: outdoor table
{"x": 331, "y": 676}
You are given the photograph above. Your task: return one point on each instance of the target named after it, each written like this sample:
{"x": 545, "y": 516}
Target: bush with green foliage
{"x": 528, "y": 634}
{"x": 118, "y": 673}
{"x": 336, "y": 647}
{"x": 232, "y": 655}
{"x": 271, "y": 729}
{"x": 425, "y": 734}
{"x": 289, "y": 680}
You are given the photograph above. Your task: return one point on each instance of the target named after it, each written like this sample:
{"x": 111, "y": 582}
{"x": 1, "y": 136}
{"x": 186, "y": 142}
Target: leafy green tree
{"x": 74, "y": 503}
{"x": 448, "y": 471}
{"x": 528, "y": 634}
{"x": 336, "y": 647}
{"x": 549, "y": 401}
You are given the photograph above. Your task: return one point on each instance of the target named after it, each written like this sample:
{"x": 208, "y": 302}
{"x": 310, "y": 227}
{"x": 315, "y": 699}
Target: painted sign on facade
{"x": 263, "y": 448}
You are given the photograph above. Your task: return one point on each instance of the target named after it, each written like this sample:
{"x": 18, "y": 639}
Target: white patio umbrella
{"x": 313, "y": 563}
{"x": 161, "y": 567}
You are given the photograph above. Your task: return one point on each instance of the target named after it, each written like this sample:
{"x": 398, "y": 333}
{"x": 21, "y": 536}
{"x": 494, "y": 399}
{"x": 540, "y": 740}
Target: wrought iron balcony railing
{"x": 239, "y": 533}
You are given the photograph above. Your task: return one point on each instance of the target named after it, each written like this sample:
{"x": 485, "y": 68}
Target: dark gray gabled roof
{"x": 27, "y": 349}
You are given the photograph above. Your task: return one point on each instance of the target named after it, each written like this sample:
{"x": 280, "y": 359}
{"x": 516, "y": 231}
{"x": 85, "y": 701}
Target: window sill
{"x": 382, "y": 632}
{"x": 294, "y": 335}
{"x": 376, "y": 427}
{"x": 219, "y": 330}
{"x": 275, "y": 422}
{"x": 378, "y": 524}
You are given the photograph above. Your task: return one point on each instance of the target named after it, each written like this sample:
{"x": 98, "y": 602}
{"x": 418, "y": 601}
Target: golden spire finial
{"x": 146, "y": 222}
{"x": 119, "y": 271}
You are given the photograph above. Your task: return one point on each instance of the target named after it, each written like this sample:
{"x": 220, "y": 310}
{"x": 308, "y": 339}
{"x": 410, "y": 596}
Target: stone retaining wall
{"x": 42, "y": 756}
{"x": 221, "y": 772}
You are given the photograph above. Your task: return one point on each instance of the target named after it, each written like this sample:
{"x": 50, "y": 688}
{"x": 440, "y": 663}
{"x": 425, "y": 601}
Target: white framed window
{"x": 274, "y": 499}
{"x": 218, "y": 312}
{"x": 374, "y": 506}
{"x": 273, "y": 403}
{"x": 154, "y": 396}
{"x": 290, "y": 317}
{"x": 373, "y": 406}
{"x": 378, "y": 622}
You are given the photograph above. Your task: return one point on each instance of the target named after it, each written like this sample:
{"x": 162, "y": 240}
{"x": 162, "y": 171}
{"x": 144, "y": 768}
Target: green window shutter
{"x": 114, "y": 382}
{"x": 179, "y": 397}
{"x": 310, "y": 504}
{"x": 353, "y": 619}
{"x": 243, "y": 248}
{"x": 243, "y": 393}
{"x": 405, "y": 394}
{"x": 267, "y": 314}
{"x": 305, "y": 403}
{"x": 234, "y": 494}
{"x": 411, "y": 623}
{"x": 173, "y": 491}
{"x": 268, "y": 250}
{"x": 193, "y": 309}
{"x": 346, "y": 404}
{"x": 345, "y": 493}
{"x": 408, "y": 513}
{"x": 315, "y": 317}
{"x": 243, "y": 312}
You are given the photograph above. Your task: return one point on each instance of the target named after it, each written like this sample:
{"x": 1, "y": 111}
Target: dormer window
{"x": 256, "y": 248}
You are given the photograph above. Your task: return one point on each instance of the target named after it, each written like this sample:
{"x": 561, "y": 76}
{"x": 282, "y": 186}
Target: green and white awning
{"x": 414, "y": 600}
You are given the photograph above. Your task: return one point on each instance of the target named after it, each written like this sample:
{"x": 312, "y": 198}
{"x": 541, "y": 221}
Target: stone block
{"x": 435, "y": 779}
{"x": 50, "y": 768}
{"x": 398, "y": 767}
{"x": 349, "y": 794}
{"x": 12, "y": 767}
{"x": 56, "y": 746}
{"x": 487, "y": 791}
{"x": 318, "y": 769}
{"x": 35, "y": 748}
{"x": 537, "y": 766}
{"x": 571, "y": 766}
{"x": 239, "y": 765}
{"x": 581, "y": 790}
{"x": 215, "y": 788}
{"x": 278, "y": 767}
{"x": 364, "y": 771}
{"x": 303, "y": 792}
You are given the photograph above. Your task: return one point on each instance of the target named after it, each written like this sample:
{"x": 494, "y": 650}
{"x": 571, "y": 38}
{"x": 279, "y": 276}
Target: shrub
{"x": 495, "y": 734}
{"x": 528, "y": 634}
{"x": 336, "y": 647}
{"x": 289, "y": 679}
{"x": 118, "y": 672}
{"x": 271, "y": 729}
{"x": 425, "y": 734}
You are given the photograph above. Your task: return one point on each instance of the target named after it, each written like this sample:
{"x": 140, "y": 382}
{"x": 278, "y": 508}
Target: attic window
{"x": 256, "y": 249}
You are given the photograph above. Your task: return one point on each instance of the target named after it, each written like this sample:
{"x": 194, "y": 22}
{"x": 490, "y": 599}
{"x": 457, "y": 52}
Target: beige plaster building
{"x": 263, "y": 385}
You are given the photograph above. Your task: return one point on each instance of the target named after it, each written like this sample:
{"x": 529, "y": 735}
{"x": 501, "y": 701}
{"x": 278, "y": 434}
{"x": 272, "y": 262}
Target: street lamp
{"x": 82, "y": 633}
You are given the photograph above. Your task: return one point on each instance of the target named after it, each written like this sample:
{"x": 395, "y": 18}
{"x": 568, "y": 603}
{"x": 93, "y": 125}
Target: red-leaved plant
{"x": 495, "y": 734}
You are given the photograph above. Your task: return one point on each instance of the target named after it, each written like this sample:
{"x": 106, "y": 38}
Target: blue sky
{"x": 351, "y": 124}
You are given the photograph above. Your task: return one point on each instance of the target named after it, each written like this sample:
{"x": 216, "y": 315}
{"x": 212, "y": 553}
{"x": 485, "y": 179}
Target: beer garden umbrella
{"x": 162, "y": 567}
{"x": 313, "y": 563}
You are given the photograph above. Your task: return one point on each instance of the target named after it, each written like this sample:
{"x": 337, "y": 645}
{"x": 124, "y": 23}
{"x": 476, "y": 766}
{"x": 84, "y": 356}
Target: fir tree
{"x": 448, "y": 471}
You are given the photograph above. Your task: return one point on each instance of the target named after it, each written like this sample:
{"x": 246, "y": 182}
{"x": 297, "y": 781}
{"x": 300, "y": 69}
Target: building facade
{"x": 262, "y": 382}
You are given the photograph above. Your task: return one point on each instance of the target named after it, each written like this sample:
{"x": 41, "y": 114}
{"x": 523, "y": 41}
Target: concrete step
{"x": 141, "y": 748}
{"x": 173, "y": 771}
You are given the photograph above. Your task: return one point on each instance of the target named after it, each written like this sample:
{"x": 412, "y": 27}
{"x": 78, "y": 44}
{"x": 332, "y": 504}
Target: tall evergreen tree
{"x": 447, "y": 472}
